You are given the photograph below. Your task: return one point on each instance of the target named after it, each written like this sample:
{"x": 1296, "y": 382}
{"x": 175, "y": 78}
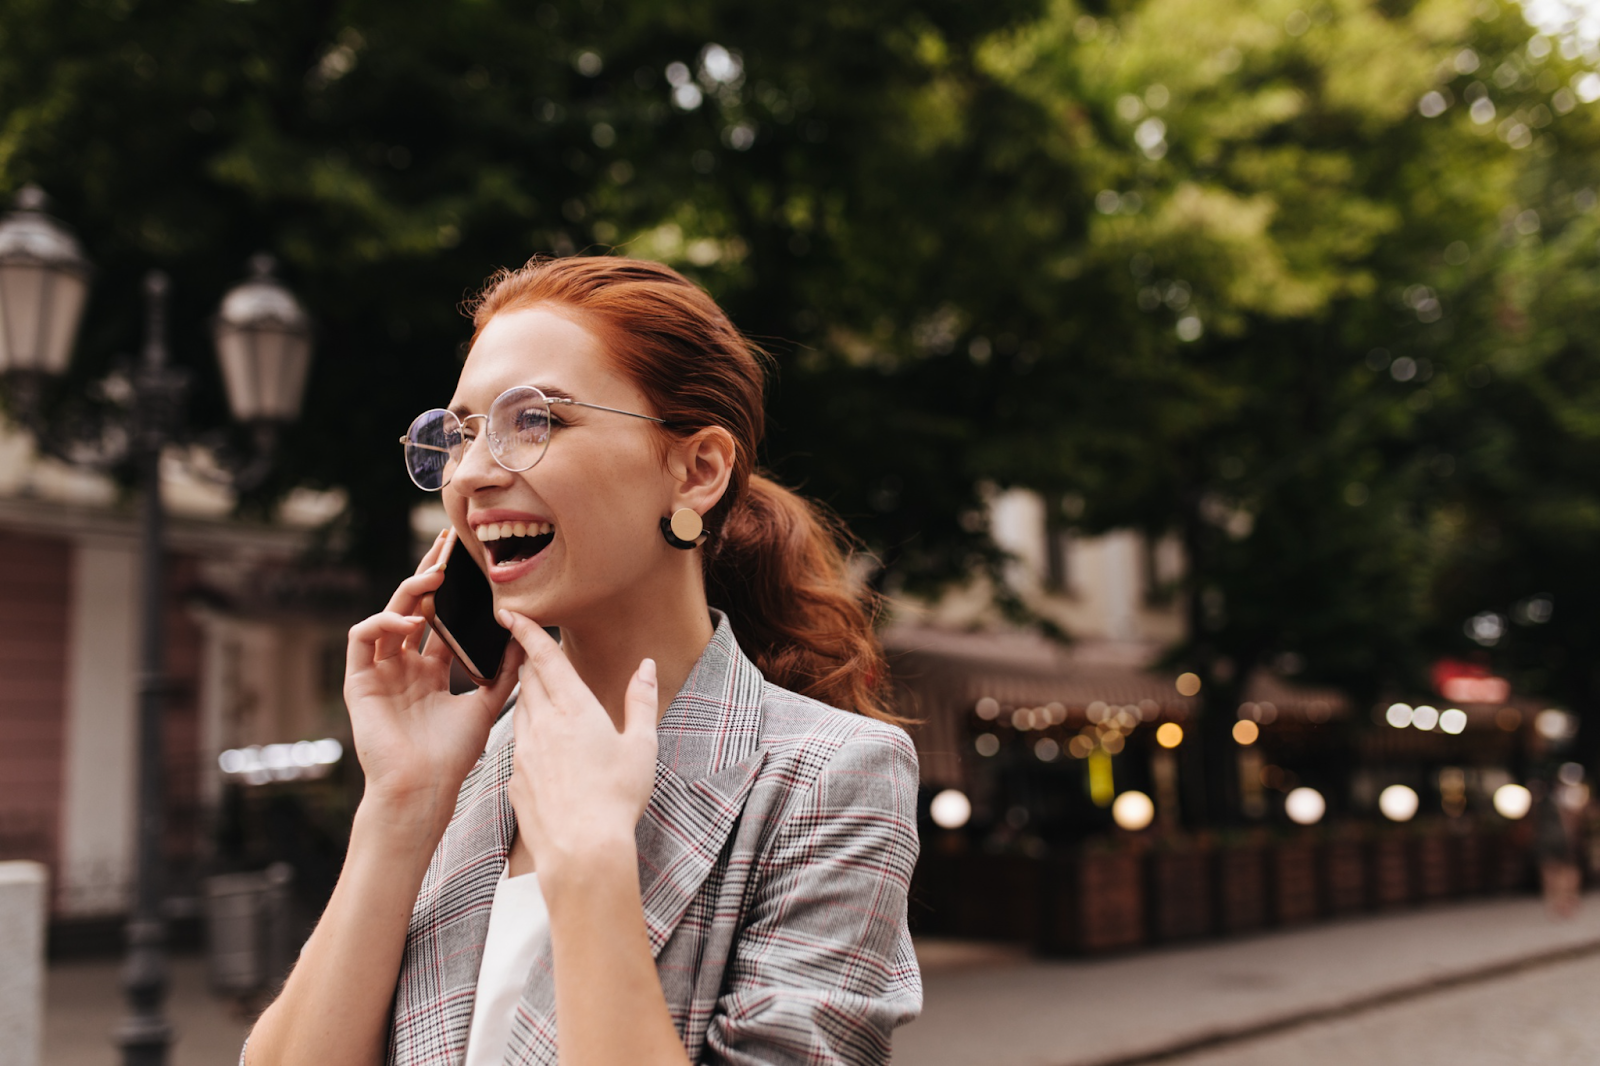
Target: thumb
{"x": 494, "y": 696}
{"x": 642, "y": 704}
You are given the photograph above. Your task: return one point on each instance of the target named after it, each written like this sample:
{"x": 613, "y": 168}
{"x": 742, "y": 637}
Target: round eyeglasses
{"x": 517, "y": 425}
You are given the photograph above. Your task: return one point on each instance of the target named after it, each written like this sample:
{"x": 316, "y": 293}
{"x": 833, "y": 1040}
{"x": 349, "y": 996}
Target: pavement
{"x": 1248, "y": 1000}
{"x": 83, "y": 1002}
{"x": 1485, "y": 983}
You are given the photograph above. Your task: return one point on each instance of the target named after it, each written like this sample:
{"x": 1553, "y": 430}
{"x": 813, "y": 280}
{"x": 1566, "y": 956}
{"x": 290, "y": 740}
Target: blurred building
{"x": 1042, "y": 732}
{"x": 254, "y": 656}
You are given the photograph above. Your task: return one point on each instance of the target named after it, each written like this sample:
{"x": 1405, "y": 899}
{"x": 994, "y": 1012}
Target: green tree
{"x": 394, "y": 154}
{"x": 1285, "y": 331}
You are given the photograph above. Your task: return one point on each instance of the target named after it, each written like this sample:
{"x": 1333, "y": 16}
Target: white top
{"x": 518, "y": 920}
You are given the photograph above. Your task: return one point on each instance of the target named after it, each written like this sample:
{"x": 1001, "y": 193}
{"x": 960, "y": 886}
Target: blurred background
{"x": 1213, "y": 387}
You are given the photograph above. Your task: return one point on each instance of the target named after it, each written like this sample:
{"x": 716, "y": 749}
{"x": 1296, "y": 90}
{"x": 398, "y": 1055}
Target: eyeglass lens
{"x": 518, "y": 426}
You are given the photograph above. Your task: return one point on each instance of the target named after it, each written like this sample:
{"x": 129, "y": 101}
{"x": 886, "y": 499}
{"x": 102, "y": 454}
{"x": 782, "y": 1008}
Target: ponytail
{"x": 778, "y": 563}
{"x": 779, "y": 570}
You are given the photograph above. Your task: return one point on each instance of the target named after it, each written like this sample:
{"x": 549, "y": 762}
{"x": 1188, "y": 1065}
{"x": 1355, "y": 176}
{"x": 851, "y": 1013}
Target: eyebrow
{"x": 554, "y": 392}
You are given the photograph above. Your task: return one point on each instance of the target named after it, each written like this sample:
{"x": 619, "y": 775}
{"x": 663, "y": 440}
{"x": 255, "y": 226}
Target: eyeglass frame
{"x": 549, "y": 401}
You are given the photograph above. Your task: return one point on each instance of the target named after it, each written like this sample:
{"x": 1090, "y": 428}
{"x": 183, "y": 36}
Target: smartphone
{"x": 461, "y": 613}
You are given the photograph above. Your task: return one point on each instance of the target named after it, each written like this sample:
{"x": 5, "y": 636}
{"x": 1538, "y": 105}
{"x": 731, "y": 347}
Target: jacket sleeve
{"x": 823, "y": 969}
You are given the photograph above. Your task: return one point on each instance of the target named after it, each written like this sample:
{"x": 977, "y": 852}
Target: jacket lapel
{"x": 707, "y": 760}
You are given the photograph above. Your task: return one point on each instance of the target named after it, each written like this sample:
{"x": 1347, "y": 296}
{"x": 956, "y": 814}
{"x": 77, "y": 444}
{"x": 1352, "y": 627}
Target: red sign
{"x": 1464, "y": 682}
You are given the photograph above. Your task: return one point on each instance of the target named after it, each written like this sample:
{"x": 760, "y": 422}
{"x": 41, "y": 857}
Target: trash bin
{"x": 247, "y": 929}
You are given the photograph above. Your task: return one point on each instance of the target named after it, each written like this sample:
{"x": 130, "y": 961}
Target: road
{"x": 1543, "y": 1015}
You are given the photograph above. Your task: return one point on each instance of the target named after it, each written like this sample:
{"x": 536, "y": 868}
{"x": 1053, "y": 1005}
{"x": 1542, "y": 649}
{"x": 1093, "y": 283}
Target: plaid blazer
{"x": 774, "y": 859}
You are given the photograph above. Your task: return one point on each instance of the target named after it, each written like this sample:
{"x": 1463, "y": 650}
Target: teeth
{"x": 500, "y": 530}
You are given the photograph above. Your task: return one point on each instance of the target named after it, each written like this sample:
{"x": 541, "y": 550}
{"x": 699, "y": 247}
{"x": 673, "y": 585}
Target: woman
{"x": 674, "y": 848}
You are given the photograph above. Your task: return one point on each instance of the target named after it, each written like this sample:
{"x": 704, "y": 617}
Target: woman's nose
{"x": 478, "y": 469}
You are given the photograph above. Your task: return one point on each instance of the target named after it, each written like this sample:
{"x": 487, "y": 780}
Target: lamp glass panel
{"x": 23, "y": 289}
{"x": 236, "y": 352}
{"x": 67, "y": 295}
{"x": 272, "y": 351}
{"x": 296, "y": 363}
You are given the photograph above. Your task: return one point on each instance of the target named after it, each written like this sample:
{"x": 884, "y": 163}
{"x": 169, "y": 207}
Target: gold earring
{"x": 687, "y": 524}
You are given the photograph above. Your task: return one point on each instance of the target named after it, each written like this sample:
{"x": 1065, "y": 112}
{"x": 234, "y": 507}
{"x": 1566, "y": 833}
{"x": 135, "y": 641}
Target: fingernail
{"x": 415, "y": 619}
{"x": 647, "y": 671}
{"x": 504, "y": 616}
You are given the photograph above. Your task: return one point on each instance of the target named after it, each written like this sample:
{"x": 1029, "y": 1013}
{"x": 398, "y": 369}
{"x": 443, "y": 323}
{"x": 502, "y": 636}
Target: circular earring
{"x": 685, "y": 529}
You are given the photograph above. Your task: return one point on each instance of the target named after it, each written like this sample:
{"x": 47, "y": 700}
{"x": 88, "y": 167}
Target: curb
{"x": 1217, "y": 1038}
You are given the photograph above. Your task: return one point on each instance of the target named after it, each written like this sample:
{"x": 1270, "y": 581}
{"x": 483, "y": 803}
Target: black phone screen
{"x": 463, "y": 606}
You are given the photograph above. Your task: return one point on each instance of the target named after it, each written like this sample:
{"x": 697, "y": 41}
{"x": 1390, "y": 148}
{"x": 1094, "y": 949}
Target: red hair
{"x": 776, "y": 563}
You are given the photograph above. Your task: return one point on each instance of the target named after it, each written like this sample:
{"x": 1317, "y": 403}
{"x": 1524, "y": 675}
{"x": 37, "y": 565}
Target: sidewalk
{"x": 997, "y": 1009}
{"x": 992, "y": 1005}
{"x": 83, "y": 1002}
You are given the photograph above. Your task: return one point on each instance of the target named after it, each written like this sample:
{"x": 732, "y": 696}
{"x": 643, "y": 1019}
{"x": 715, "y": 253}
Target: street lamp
{"x": 264, "y": 344}
{"x": 263, "y": 340}
{"x": 44, "y": 279}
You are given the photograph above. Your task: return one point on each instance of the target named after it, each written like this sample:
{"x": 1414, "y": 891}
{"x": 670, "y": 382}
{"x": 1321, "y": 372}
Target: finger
{"x": 431, "y": 556}
{"x": 641, "y": 705}
{"x": 394, "y": 642}
{"x": 545, "y": 660}
{"x": 493, "y": 697}
{"x": 409, "y": 592}
{"x": 378, "y": 638}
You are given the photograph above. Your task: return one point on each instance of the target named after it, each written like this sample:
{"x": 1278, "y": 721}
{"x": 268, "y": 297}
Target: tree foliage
{"x": 1307, "y": 283}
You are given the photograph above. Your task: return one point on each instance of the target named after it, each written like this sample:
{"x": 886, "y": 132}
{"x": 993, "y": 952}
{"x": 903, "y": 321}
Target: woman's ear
{"x": 701, "y": 467}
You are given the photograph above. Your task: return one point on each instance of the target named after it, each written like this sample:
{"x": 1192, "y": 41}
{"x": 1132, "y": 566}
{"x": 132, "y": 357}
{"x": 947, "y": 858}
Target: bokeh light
{"x": 1398, "y": 803}
{"x": 1169, "y": 734}
{"x": 950, "y": 809}
{"x": 1553, "y": 724}
{"x": 1398, "y": 715}
{"x": 1133, "y": 810}
{"x": 1453, "y": 721}
{"x": 1246, "y": 732}
{"x": 1047, "y": 750}
{"x": 1424, "y": 717}
{"x": 303, "y": 760}
{"x": 987, "y": 744}
{"x": 988, "y": 708}
{"x": 1512, "y": 802}
{"x": 1305, "y": 806}
{"x": 1188, "y": 684}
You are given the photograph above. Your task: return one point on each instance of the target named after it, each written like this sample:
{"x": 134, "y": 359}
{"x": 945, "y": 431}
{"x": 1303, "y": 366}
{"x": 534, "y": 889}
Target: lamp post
{"x": 263, "y": 341}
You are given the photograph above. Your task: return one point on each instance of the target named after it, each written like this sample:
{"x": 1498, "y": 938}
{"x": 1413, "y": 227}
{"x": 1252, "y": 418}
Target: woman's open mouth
{"x": 512, "y": 542}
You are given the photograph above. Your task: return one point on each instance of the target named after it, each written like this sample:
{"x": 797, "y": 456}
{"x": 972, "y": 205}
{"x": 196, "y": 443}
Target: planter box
{"x": 1241, "y": 889}
{"x": 1435, "y": 874}
{"x": 987, "y": 897}
{"x": 1391, "y": 872}
{"x": 1510, "y": 862}
{"x": 1345, "y": 876}
{"x": 1294, "y": 882}
{"x": 1180, "y": 894}
{"x": 1470, "y": 864}
{"x": 1095, "y": 903}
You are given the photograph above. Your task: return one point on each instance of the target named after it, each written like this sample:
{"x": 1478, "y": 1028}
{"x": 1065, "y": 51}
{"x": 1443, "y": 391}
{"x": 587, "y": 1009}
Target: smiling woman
{"x": 691, "y": 837}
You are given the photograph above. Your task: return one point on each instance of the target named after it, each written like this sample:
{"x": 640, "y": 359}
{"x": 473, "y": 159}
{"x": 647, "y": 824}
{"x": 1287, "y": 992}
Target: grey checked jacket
{"x": 774, "y": 859}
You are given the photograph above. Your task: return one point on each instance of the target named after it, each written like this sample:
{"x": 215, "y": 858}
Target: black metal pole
{"x": 144, "y": 1034}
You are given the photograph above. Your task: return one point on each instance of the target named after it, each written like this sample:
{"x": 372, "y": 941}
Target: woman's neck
{"x": 671, "y": 629}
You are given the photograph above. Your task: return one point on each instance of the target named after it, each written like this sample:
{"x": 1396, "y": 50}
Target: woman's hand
{"x": 416, "y": 741}
{"x": 580, "y": 785}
